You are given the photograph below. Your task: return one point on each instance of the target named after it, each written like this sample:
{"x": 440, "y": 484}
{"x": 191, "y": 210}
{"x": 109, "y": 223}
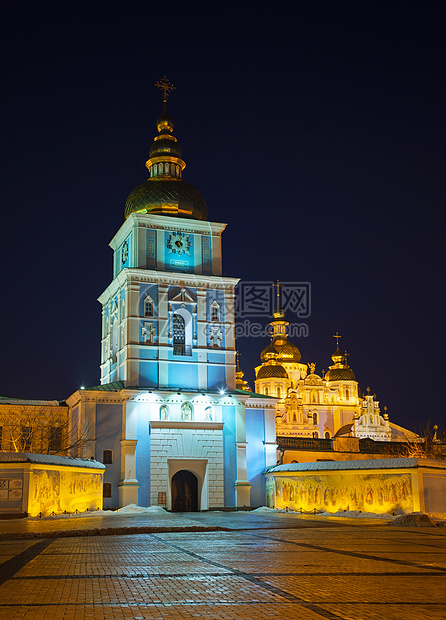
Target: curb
{"x": 110, "y": 531}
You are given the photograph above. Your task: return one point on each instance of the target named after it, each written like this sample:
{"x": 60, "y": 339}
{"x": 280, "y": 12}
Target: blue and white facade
{"x": 168, "y": 404}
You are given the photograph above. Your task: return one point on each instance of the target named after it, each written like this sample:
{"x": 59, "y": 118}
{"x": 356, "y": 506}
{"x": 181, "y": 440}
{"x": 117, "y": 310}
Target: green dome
{"x": 167, "y": 197}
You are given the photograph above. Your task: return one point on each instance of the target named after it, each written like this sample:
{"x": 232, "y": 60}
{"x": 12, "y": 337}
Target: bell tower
{"x": 168, "y": 314}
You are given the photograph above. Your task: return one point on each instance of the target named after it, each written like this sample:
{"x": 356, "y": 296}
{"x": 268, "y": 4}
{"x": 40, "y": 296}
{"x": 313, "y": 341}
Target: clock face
{"x": 179, "y": 243}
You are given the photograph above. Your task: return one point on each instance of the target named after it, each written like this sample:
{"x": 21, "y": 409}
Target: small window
{"x": 314, "y": 418}
{"x": 164, "y": 412}
{"x": 327, "y": 435}
{"x": 279, "y": 393}
{"x": 315, "y": 435}
{"x": 25, "y": 438}
{"x": 215, "y": 311}
{"x": 266, "y": 391}
{"x": 55, "y": 439}
{"x": 107, "y": 489}
{"x": 107, "y": 457}
{"x": 148, "y": 306}
{"x": 347, "y": 394}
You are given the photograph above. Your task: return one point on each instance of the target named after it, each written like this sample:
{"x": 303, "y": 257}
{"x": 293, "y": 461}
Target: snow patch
{"x": 134, "y": 509}
{"x": 266, "y": 510}
{"x": 419, "y": 519}
{"x": 357, "y": 514}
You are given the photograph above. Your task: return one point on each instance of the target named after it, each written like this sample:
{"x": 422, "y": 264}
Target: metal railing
{"x": 304, "y": 443}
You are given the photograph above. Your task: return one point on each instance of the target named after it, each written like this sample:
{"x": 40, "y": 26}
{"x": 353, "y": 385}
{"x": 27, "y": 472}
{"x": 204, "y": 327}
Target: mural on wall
{"x": 379, "y": 493}
{"x": 55, "y": 491}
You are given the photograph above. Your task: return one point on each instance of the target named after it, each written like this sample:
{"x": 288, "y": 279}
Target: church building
{"x": 173, "y": 420}
{"x": 168, "y": 419}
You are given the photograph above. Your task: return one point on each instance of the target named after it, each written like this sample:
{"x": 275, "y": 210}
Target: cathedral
{"x": 173, "y": 419}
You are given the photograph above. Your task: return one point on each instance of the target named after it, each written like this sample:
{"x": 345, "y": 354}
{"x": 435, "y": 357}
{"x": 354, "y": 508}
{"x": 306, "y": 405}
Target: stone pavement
{"x": 281, "y": 567}
{"x": 134, "y": 523}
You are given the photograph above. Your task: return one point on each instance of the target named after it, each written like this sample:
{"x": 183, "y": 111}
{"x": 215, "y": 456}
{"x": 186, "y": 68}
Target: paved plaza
{"x": 256, "y": 566}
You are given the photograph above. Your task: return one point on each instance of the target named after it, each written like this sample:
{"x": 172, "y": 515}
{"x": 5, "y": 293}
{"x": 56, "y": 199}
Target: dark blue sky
{"x": 317, "y": 134}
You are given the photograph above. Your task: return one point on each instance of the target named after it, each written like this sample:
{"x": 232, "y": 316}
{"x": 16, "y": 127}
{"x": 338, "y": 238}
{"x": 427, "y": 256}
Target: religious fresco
{"x": 57, "y": 491}
{"x": 379, "y": 493}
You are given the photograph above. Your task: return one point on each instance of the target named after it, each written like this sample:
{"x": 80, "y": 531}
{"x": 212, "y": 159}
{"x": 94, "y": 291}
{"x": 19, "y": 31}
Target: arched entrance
{"x": 184, "y": 492}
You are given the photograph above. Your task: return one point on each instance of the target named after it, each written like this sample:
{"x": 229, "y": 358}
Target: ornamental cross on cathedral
{"x": 166, "y": 87}
{"x": 337, "y": 336}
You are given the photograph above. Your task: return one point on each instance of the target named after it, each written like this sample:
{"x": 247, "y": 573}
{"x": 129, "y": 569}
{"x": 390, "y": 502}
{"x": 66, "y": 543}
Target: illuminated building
{"x": 168, "y": 417}
{"x": 319, "y": 407}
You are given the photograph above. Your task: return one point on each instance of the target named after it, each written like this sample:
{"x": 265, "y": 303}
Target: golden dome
{"x": 167, "y": 197}
{"x": 165, "y": 192}
{"x": 340, "y": 374}
{"x": 269, "y": 352}
{"x": 287, "y": 352}
{"x": 269, "y": 371}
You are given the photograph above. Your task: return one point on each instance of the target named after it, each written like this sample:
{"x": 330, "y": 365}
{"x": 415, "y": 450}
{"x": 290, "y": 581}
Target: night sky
{"x": 317, "y": 134}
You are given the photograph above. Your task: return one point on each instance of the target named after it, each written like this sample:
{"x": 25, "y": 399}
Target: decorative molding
{"x": 206, "y": 426}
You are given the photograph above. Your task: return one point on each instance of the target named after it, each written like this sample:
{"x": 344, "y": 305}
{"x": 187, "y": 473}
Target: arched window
{"x": 314, "y": 418}
{"x": 215, "y": 311}
{"x": 327, "y": 435}
{"x": 266, "y": 391}
{"x": 148, "y": 306}
{"x": 315, "y": 435}
{"x": 107, "y": 457}
{"x": 179, "y": 335}
{"x": 347, "y": 394}
{"x": 115, "y": 340}
{"x": 294, "y": 417}
{"x": 182, "y": 332}
{"x": 279, "y": 392}
{"x": 209, "y": 414}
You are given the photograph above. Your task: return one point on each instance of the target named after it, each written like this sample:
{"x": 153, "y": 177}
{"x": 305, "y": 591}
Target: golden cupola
{"x": 165, "y": 192}
{"x": 340, "y": 371}
{"x": 240, "y": 383}
{"x": 280, "y": 349}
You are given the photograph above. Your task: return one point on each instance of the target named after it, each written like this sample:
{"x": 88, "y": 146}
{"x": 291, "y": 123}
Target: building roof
{"x": 396, "y": 463}
{"x": 7, "y": 400}
{"x": 49, "y": 459}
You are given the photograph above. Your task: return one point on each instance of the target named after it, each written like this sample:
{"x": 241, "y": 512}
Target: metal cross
{"x": 166, "y": 87}
{"x": 337, "y": 336}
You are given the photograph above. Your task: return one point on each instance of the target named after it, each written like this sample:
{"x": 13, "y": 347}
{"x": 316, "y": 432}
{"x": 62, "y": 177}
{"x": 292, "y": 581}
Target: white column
{"x": 242, "y": 486}
{"x": 128, "y": 485}
{"x": 163, "y": 331}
